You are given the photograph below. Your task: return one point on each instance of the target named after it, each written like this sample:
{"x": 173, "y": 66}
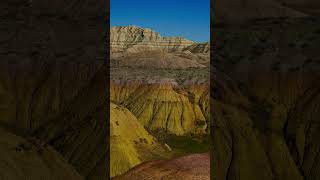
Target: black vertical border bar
{"x": 107, "y": 64}
{"x": 211, "y": 88}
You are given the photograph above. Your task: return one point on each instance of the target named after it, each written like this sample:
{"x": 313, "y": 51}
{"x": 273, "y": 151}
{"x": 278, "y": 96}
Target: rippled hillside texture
{"x": 53, "y": 81}
{"x": 266, "y": 93}
{"x": 159, "y": 93}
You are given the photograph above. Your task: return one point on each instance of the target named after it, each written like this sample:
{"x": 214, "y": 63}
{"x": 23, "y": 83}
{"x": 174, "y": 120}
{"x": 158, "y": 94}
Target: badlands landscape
{"x": 159, "y": 95}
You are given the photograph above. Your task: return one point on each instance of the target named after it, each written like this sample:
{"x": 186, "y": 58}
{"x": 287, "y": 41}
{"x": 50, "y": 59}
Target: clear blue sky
{"x": 187, "y": 18}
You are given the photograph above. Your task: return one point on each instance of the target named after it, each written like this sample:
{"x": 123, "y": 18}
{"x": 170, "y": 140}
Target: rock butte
{"x": 136, "y": 47}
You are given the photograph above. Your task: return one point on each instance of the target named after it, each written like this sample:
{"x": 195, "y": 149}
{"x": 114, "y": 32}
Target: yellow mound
{"x": 165, "y": 107}
{"x": 130, "y": 143}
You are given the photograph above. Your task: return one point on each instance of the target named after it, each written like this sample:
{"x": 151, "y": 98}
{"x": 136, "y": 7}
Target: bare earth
{"x": 190, "y": 167}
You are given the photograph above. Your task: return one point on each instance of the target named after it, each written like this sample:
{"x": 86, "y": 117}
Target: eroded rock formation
{"x": 161, "y": 85}
{"x": 134, "y": 39}
{"x": 165, "y": 106}
{"x": 137, "y": 47}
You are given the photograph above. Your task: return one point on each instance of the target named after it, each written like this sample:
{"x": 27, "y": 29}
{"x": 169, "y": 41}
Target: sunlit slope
{"x": 130, "y": 143}
{"x": 166, "y": 106}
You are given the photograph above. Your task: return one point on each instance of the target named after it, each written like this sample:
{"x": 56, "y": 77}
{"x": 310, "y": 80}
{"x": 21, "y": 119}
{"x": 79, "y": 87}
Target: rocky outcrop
{"x": 135, "y": 39}
{"x": 199, "y": 48}
{"x": 137, "y": 47}
{"x": 195, "y": 166}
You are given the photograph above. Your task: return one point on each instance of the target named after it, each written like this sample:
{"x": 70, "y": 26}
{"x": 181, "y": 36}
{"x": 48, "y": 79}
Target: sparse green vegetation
{"x": 182, "y": 145}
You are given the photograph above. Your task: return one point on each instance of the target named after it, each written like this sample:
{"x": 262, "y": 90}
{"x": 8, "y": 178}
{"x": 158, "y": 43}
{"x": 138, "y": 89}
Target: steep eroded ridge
{"x": 137, "y": 47}
{"x": 165, "y": 106}
{"x": 133, "y": 39}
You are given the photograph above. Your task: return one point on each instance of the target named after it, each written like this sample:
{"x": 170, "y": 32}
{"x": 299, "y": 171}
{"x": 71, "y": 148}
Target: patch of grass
{"x": 187, "y": 144}
{"x": 182, "y": 145}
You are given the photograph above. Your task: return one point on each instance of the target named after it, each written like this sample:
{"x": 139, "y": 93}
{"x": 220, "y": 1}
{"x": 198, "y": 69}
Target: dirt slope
{"x": 195, "y": 166}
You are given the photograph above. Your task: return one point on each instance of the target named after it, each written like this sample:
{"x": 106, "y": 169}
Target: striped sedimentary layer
{"x": 176, "y": 109}
{"x": 133, "y": 39}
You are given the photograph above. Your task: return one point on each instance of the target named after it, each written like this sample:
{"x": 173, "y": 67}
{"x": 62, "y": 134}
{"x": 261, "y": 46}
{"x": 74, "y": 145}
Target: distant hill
{"x": 135, "y": 47}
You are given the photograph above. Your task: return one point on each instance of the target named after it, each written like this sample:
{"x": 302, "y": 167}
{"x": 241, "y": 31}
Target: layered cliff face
{"x": 165, "y": 106}
{"x": 266, "y": 101}
{"x": 166, "y": 95}
{"x": 137, "y": 47}
{"x": 135, "y": 39}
